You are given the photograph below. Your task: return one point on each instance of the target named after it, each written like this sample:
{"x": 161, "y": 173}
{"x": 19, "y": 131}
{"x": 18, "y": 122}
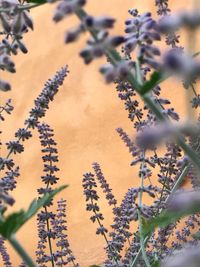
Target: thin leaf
{"x": 196, "y": 235}
{"x": 13, "y": 222}
{"x": 156, "y": 264}
{"x": 167, "y": 217}
{"x": 37, "y": 1}
{"x": 155, "y": 79}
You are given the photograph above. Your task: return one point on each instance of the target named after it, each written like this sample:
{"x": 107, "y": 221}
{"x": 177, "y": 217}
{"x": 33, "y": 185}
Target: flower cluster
{"x": 64, "y": 254}
{"x": 141, "y": 33}
{"x": 163, "y": 7}
{"x": 45, "y": 97}
{"x": 15, "y": 20}
{"x": 45, "y": 231}
{"x": 7, "y": 108}
{"x": 104, "y": 185}
{"x": 66, "y": 8}
{"x": 51, "y": 225}
{"x": 10, "y": 172}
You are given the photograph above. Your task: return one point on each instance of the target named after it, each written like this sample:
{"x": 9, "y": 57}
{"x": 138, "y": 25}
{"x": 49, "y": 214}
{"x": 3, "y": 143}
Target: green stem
{"x": 20, "y": 250}
{"x": 175, "y": 187}
{"x": 114, "y": 57}
{"x": 134, "y": 262}
{"x": 49, "y": 239}
{"x": 142, "y": 240}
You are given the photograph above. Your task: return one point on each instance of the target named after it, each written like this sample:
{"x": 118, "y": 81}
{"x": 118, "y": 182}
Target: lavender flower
{"x": 92, "y": 197}
{"x": 4, "y": 254}
{"x": 141, "y": 33}
{"x": 46, "y": 232}
{"x": 63, "y": 255}
{"x": 7, "y": 108}
{"x": 163, "y": 8}
{"x": 46, "y": 96}
{"x": 104, "y": 184}
{"x": 15, "y": 147}
{"x": 66, "y": 8}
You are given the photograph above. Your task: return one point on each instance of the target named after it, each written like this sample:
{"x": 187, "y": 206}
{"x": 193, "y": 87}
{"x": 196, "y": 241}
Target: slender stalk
{"x": 175, "y": 187}
{"x": 142, "y": 243}
{"x": 134, "y": 262}
{"x": 105, "y": 237}
{"x": 115, "y": 57}
{"x": 49, "y": 240}
{"x": 21, "y": 251}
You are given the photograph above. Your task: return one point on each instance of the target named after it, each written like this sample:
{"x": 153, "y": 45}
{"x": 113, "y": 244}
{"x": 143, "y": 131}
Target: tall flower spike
{"x": 7, "y": 108}
{"x": 129, "y": 143}
{"x": 50, "y": 156}
{"x": 46, "y": 232}
{"x": 38, "y": 111}
{"x": 4, "y": 254}
{"x": 104, "y": 184}
{"x": 64, "y": 254}
{"x": 89, "y": 185}
{"x": 46, "y": 96}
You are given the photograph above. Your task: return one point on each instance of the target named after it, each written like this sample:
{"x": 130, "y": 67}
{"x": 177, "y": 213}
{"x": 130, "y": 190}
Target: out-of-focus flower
{"x": 188, "y": 256}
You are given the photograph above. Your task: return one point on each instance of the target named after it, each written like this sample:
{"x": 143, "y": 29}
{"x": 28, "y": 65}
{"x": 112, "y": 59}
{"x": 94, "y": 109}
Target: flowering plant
{"x": 137, "y": 72}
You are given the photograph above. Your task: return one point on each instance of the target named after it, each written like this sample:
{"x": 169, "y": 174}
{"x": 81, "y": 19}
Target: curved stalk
{"x": 21, "y": 251}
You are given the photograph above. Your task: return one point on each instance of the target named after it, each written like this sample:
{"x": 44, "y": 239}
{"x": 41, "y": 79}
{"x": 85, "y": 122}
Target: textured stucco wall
{"x": 84, "y": 115}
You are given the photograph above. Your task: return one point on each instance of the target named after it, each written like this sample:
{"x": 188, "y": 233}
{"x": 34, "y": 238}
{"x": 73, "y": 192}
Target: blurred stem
{"x": 110, "y": 247}
{"x": 22, "y": 7}
{"x": 114, "y": 58}
{"x": 138, "y": 72}
{"x": 189, "y": 90}
{"x": 142, "y": 240}
{"x": 49, "y": 239}
{"x": 192, "y": 49}
{"x": 20, "y": 250}
{"x": 175, "y": 187}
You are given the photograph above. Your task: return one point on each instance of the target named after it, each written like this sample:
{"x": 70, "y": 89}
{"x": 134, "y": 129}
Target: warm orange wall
{"x": 84, "y": 116}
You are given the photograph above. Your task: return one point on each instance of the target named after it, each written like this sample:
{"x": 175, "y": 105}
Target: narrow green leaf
{"x": 196, "y": 235}
{"x": 37, "y": 1}
{"x": 167, "y": 217}
{"x": 13, "y": 222}
{"x": 154, "y": 80}
{"x": 156, "y": 264}
{"x": 196, "y": 54}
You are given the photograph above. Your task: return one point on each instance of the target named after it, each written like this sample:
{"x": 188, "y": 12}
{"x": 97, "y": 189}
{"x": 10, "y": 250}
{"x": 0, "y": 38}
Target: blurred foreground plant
{"x": 137, "y": 71}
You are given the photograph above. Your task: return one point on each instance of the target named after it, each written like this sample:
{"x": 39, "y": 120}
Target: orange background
{"x": 84, "y": 115}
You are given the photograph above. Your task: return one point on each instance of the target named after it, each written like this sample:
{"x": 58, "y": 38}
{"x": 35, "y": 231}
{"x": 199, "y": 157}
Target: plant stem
{"x": 49, "y": 240}
{"x": 20, "y": 250}
{"x": 175, "y": 187}
{"x": 115, "y": 57}
{"x": 142, "y": 244}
